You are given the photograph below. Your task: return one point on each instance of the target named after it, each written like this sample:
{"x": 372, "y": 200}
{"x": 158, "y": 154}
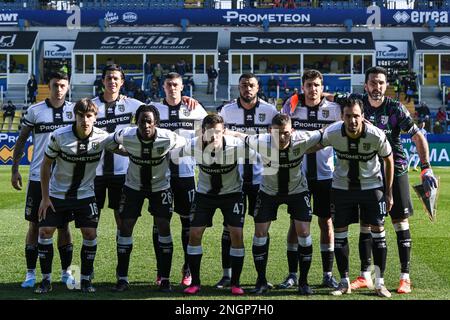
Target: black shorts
{"x": 160, "y": 203}
{"x": 250, "y": 192}
{"x": 402, "y": 207}
{"x": 299, "y": 207}
{"x": 371, "y": 204}
{"x": 83, "y": 211}
{"x": 33, "y": 200}
{"x": 114, "y": 184}
{"x": 183, "y": 194}
{"x": 321, "y": 194}
{"x": 204, "y": 207}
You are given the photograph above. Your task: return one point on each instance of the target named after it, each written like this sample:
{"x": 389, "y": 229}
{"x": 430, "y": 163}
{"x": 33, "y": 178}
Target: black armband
{"x": 425, "y": 165}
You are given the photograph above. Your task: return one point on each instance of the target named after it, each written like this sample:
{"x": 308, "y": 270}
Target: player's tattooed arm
{"x": 16, "y": 178}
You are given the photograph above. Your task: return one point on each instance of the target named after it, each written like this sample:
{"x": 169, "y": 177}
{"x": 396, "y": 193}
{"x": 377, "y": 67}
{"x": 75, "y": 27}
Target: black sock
{"x": 88, "y": 252}
{"x": 260, "y": 257}
{"x": 185, "y": 223}
{"x": 45, "y": 251}
{"x": 155, "y": 236}
{"x": 195, "y": 254}
{"x": 65, "y": 255}
{"x": 379, "y": 251}
{"x": 31, "y": 255}
{"x": 404, "y": 249}
{"x": 237, "y": 262}
{"x": 327, "y": 260}
{"x": 365, "y": 251}
{"x": 166, "y": 247}
{"x": 342, "y": 251}
{"x": 304, "y": 261}
{"x": 124, "y": 248}
{"x": 292, "y": 257}
{"x": 226, "y": 245}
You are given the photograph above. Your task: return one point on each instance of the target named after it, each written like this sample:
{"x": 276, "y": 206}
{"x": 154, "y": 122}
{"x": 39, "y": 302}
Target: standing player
{"x": 177, "y": 116}
{"x": 41, "y": 120}
{"x": 358, "y": 182}
{"x": 68, "y": 190}
{"x": 392, "y": 117}
{"x": 219, "y": 187}
{"x": 147, "y": 177}
{"x": 312, "y": 112}
{"x": 250, "y": 115}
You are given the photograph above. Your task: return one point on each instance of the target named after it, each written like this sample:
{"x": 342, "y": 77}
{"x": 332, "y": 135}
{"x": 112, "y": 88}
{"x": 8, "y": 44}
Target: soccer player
{"x": 148, "y": 177}
{"x": 282, "y": 182}
{"x": 311, "y": 111}
{"x": 358, "y": 182}
{"x": 250, "y": 115}
{"x": 68, "y": 189}
{"x": 41, "y": 120}
{"x": 178, "y": 117}
{"x": 219, "y": 187}
{"x": 392, "y": 117}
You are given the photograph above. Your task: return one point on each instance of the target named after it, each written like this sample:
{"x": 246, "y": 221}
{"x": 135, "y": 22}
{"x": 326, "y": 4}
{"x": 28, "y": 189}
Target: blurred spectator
{"x": 212, "y": 76}
{"x": 188, "y": 83}
{"x": 172, "y": 68}
{"x": 441, "y": 116}
{"x": 9, "y": 112}
{"x": 409, "y": 93}
{"x": 181, "y": 67}
{"x": 140, "y": 95}
{"x": 397, "y": 88}
{"x": 423, "y": 111}
{"x": 12, "y": 65}
{"x": 110, "y": 61}
{"x": 154, "y": 89}
{"x": 272, "y": 85}
{"x": 98, "y": 84}
{"x": 147, "y": 73}
{"x": 438, "y": 128}
{"x": 158, "y": 73}
{"x": 130, "y": 87}
{"x": 32, "y": 89}
{"x": 262, "y": 65}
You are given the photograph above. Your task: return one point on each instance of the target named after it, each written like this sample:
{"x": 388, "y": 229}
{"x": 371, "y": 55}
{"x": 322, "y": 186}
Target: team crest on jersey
{"x": 69, "y": 114}
{"x": 366, "y": 146}
{"x": 94, "y": 145}
{"x": 121, "y": 107}
{"x": 384, "y": 120}
{"x": 186, "y": 112}
{"x": 262, "y": 117}
{"x": 325, "y": 113}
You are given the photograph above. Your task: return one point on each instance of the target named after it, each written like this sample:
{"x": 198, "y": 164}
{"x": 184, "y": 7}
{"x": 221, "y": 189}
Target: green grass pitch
{"x": 430, "y": 266}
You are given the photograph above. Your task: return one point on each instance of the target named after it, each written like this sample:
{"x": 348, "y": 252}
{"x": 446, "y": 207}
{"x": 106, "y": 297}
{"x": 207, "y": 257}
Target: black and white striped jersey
{"x": 149, "y": 160}
{"x": 184, "y": 122}
{"x": 44, "y": 119}
{"x": 218, "y": 169}
{"x": 254, "y": 121}
{"x": 76, "y": 159}
{"x": 318, "y": 165}
{"x": 357, "y": 166}
{"x": 282, "y": 174}
{"x": 112, "y": 117}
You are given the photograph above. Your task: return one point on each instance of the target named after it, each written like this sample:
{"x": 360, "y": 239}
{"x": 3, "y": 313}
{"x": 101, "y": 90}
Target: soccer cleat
{"x": 158, "y": 280}
{"x": 67, "y": 278}
{"x": 343, "y": 288}
{"x": 304, "y": 289}
{"x": 360, "y": 283}
{"x": 44, "y": 287}
{"x": 261, "y": 287}
{"x": 382, "y": 292}
{"x": 223, "y": 283}
{"x": 237, "y": 291}
{"x": 121, "y": 286}
{"x": 87, "y": 287}
{"x": 29, "y": 283}
{"x": 187, "y": 278}
{"x": 165, "y": 286}
{"x": 329, "y": 282}
{"x": 192, "y": 289}
{"x": 289, "y": 282}
{"x": 405, "y": 286}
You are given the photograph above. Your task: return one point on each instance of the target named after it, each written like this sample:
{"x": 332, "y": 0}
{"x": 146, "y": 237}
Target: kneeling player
{"x": 357, "y": 182}
{"x": 77, "y": 150}
{"x": 219, "y": 187}
{"x": 147, "y": 178}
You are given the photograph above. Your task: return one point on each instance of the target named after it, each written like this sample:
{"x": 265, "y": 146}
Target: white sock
{"x": 404, "y": 276}
{"x": 327, "y": 274}
{"x": 379, "y": 282}
{"x": 123, "y": 278}
{"x": 366, "y": 275}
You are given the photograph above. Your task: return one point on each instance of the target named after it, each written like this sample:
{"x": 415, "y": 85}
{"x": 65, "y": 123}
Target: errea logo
{"x": 421, "y": 16}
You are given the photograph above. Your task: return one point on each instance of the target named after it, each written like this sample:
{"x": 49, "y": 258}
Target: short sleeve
{"x": 53, "y": 147}
{"x": 384, "y": 147}
{"x": 29, "y": 118}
